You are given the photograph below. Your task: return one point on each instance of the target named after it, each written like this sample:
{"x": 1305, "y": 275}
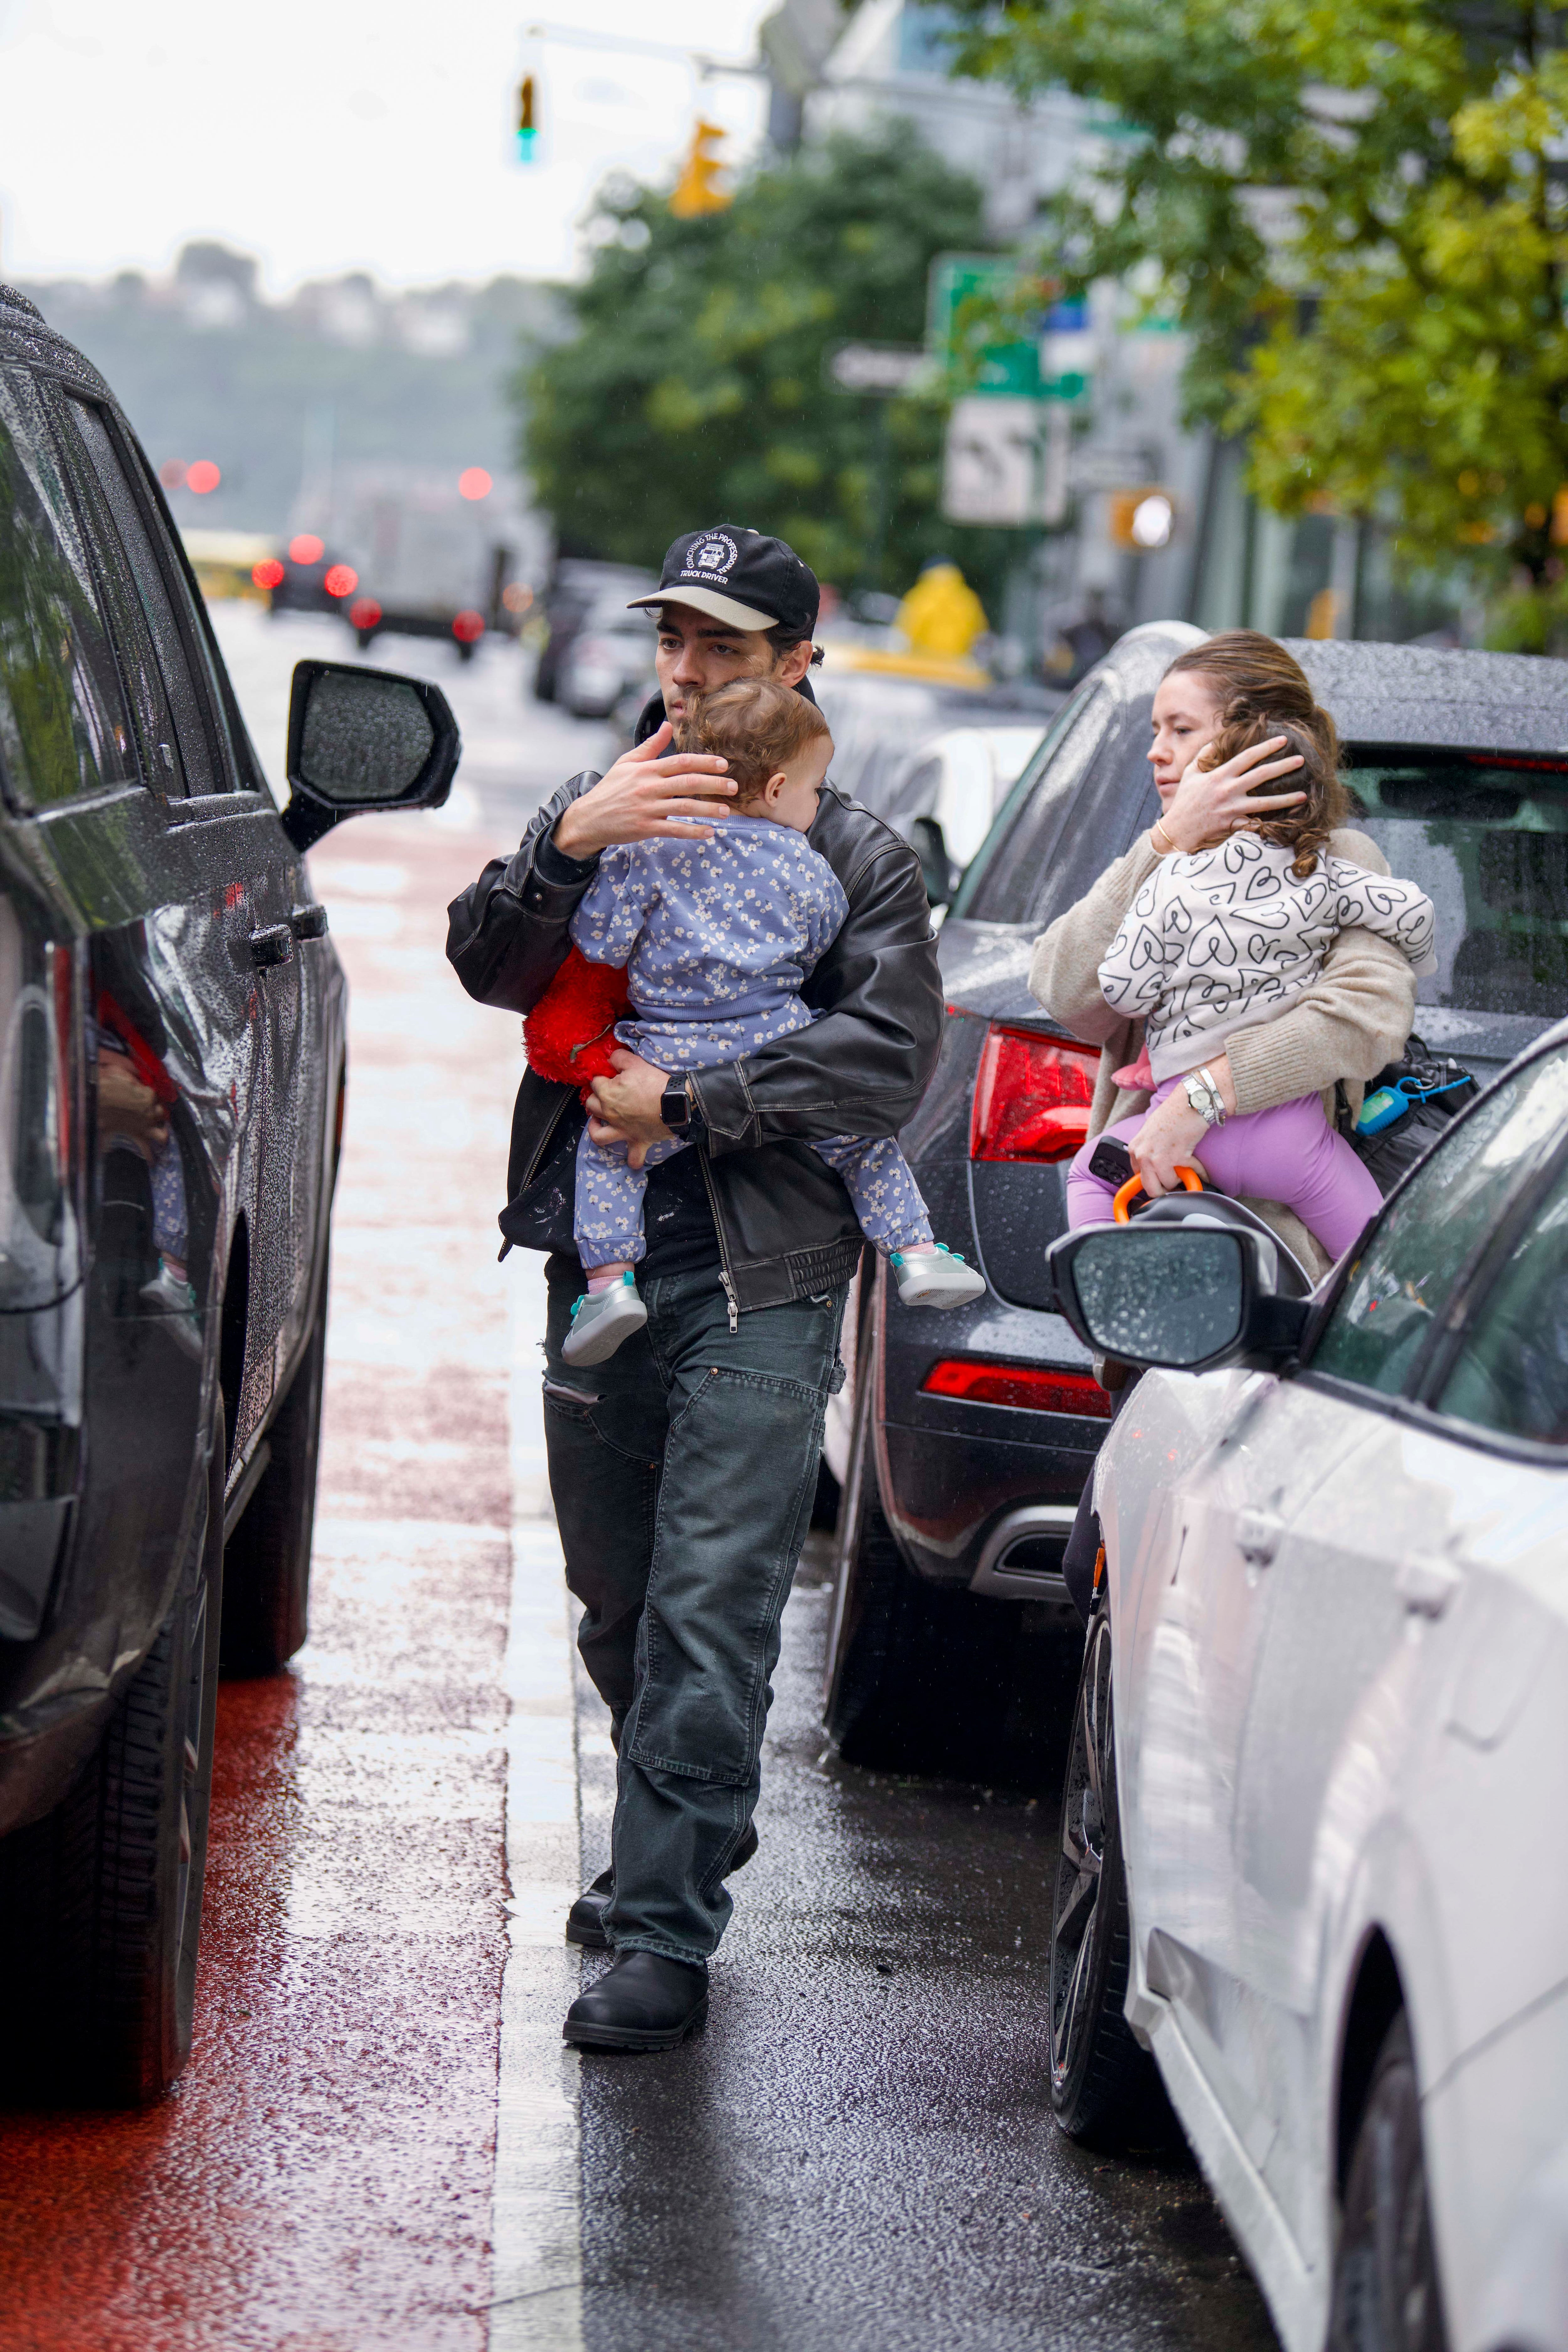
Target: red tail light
{"x": 469, "y": 628}
{"x": 340, "y": 580}
{"x": 364, "y": 612}
{"x": 1032, "y": 1386}
{"x": 267, "y": 573}
{"x": 1032, "y": 1097}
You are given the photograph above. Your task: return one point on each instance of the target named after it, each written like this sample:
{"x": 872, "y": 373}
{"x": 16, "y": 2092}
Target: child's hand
{"x": 1209, "y": 804}
{"x": 644, "y": 797}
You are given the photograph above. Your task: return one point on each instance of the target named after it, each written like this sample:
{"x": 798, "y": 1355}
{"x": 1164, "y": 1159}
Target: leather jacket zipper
{"x": 727, "y": 1276}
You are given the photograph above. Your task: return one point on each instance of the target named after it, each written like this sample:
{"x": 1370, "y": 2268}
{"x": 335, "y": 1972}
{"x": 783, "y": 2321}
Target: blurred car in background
{"x": 963, "y": 1440}
{"x": 577, "y": 587}
{"x": 226, "y": 561}
{"x": 610, "y": 654}
{"x": 427, "y": 558}
{"x": 946, "y": 795}
{"x": 307, "y": 576}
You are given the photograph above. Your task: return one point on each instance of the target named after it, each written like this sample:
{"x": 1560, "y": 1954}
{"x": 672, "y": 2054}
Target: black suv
{"x": 973, "y": 1431}
{"x": 172, "y": 1075}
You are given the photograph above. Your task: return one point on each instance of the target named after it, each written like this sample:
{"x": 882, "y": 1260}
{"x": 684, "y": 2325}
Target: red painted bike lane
{"x": 320, "y": 2180}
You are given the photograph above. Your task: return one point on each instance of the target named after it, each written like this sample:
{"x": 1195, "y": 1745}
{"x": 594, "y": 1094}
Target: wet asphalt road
{"x": 855, "y": 2155}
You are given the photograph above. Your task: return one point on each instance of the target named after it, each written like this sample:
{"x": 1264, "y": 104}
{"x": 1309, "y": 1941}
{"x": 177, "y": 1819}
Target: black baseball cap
{"x": 739, "y": 577}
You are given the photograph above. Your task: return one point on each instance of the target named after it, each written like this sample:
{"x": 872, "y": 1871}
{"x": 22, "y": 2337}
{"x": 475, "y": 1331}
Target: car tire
{"x": 266, "y": 1573}
{"x": 102, "y": 1900}
{"x": 1386, "y": 2293}
{"x": 1105, "y": 2086}
{"x": 877, "y": 1700}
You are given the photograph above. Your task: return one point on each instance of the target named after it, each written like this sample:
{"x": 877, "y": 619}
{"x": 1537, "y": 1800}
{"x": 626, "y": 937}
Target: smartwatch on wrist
{"x": 677, "y": 1109}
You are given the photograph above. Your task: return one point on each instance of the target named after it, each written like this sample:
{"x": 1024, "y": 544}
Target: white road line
{"x": 536, "y": 2236}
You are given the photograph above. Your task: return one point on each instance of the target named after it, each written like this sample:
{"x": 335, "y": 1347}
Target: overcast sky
{"x": 324, "y": 136}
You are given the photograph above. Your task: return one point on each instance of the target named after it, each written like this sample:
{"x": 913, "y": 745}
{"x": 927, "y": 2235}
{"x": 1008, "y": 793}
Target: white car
{"x": 613, "y": 650}
{"x": 1314, "y": 1826}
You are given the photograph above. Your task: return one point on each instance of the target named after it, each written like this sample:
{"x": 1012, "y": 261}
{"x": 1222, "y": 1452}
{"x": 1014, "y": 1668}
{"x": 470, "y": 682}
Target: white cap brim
{"x": 716, "y": 607}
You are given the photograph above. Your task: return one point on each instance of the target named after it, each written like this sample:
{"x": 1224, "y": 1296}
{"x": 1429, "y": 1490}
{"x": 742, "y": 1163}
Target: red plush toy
{"x": 571, "y": 1032}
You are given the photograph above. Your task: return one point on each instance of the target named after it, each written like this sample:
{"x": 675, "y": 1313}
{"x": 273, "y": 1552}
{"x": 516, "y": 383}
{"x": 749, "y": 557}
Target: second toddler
{"x": 717, "y": 938}
{"x": 1221, "y": 939}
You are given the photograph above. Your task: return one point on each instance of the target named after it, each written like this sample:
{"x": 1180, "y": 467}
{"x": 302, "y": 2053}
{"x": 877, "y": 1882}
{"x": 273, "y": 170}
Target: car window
{"x": 64, "y": 729}
{"x": 200, "y": 771}
{"x": 121, "y": 569}
{"x": 1511, "y": 1371}
{"x": 1485, "y": 835}
{"x": 1003, "y": 880}
{"x": 1426, "y": 1236}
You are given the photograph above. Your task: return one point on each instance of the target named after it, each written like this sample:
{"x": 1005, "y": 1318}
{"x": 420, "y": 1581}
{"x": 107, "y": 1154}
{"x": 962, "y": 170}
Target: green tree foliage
{"x": 694, "y": 390}
{"x": 1359, "y": 217}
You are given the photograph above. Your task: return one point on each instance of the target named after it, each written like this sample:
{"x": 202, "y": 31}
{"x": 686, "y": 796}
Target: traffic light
{"x": 1142, "y": 520}
{"x": 695, "y": 193}
{"x": 527, "y": 126}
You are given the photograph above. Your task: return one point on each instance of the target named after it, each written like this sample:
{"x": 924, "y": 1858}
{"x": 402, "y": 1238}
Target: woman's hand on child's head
{"x": 1210, "y": 804}
{"x": 649, "y": 793}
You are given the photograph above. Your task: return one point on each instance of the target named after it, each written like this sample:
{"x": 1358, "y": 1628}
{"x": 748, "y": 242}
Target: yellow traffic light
{"x": 527, "y": 125}
{"x": 1141, "y": 520}
{"x": 695, "y": 193}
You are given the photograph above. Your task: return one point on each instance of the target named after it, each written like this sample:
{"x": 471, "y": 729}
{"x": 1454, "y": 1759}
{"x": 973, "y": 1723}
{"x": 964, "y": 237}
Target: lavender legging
{"x": 1290, "y": 1154}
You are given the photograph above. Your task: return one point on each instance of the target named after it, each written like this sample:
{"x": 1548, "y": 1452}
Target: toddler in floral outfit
{"x": 717, "y": 938}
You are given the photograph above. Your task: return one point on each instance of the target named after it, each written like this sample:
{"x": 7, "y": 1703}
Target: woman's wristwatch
{"x": 1204, "y": 1095}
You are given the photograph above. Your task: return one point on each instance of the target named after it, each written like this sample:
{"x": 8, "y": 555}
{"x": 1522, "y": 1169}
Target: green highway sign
{"x": 962, "y": 289}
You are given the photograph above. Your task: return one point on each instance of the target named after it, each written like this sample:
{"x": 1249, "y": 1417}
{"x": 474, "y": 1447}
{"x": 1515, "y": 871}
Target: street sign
{"x": 885, "y": 368}
{"x": 1053, "y": 360}
{"x": 1003, "y": 464}
{"x": 1008, "y": 369}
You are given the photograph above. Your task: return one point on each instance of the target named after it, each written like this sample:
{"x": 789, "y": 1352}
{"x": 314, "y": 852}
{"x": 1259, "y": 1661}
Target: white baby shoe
{"x": 600, "y": 1319}
{"x": 937, "y": 1278}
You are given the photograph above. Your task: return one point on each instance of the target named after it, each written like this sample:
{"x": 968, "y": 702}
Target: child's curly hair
{"x": 756, "y": 724}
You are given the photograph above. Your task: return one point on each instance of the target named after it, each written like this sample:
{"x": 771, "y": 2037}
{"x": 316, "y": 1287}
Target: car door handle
{"x": 307, "y": 922}
{"x": 1258, "y": 1535}
{"x": 1427, "y": 1585}
{"x": 274, "y": 943}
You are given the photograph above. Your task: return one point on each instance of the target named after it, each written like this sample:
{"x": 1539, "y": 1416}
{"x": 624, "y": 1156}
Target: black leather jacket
{"x": 785, "y": 1223}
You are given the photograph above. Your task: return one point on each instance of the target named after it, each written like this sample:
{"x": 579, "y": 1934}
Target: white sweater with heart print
{"x": 1226, "y": 938}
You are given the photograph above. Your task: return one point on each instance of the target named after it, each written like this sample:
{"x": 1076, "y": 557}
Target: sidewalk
{"x": 323, "y": 2177}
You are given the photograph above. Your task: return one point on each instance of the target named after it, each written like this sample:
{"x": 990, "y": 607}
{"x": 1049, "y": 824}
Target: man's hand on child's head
{"x": 650, "y": 792}
{"x": 625, "y": 1109}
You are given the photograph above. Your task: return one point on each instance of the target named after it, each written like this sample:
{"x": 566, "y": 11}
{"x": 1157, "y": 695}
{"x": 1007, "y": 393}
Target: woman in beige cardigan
{"x": 1355, "y": 1018}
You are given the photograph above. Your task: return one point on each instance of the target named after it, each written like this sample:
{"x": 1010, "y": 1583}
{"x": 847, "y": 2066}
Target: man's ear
{"x": 792, "y": 665}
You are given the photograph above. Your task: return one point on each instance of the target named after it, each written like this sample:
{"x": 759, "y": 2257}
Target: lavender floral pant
{"x": 607, "y": 1214}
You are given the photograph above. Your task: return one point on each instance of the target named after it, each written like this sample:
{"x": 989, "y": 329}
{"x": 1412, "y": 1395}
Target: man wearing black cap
{"x": 683, "y": 1468}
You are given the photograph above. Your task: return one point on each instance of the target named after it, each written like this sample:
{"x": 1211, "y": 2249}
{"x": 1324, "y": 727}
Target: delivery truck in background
{"x": 431, "y": 557}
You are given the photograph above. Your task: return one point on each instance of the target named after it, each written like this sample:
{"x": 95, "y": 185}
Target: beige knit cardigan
{"x": 1355, "y": 1017}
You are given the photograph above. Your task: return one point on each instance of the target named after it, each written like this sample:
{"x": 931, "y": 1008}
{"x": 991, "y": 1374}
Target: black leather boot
{"x": 643, "y": 2003}
{"x": 586, "y": 1920}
